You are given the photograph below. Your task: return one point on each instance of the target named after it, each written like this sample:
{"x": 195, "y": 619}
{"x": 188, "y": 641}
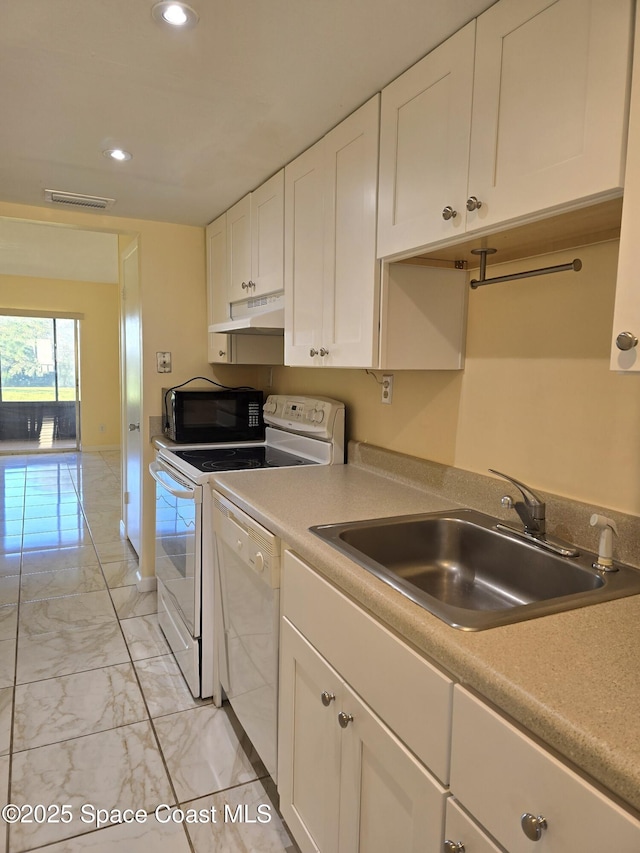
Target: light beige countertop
{"x": 572, "y": 679}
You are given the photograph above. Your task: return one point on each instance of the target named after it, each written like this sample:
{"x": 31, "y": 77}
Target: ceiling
{"x": 208, "y": 113}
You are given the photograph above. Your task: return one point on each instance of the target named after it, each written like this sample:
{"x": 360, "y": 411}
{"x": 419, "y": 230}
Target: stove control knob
{"x": 259, "y": 562}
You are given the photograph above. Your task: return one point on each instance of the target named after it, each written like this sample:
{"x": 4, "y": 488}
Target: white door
{"x": 303, "y": 268}
{"x": 267, "y": 236}
{"x": 424, "y": 148}
{"x": 308, "y": 743}
{"x": 388, "y": 799}
{"x": 132, "y": 394}
{"x": 219, "y": 349}
{"x": 351, "y": 268}
{"x": 239, "y": 250}
{"x": 549, "y": 105}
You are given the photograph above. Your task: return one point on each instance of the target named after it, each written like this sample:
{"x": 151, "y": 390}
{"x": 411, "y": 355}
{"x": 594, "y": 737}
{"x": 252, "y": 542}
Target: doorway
{"x": 39, "y": 388}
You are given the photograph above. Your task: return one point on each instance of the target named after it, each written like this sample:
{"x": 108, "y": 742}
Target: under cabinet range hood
{"x": 259, "y": 315}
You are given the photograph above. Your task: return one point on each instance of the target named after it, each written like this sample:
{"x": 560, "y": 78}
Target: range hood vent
{"x": 260, "y": 315}
{"x": 93, "y": 202}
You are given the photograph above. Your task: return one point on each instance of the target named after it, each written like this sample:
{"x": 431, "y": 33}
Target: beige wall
{"x": 174, "y": 316}
{"x": 536, "y": 398}
{"x": 99, "y": 344}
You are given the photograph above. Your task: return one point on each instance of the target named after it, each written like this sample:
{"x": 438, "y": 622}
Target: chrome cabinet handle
{"x": 251, "y": 285}
{"x": 626, "y": 341}
{"x": 533, "y": 826}
{"x": 244, "y": 285}
{"x": 453, "y": 846}
{"x": 324, "y": 351}
{"x": 327, "y": 698}
{"x": 473, "y": 203}
{"x": 344, "y": 719}
{"x": 313, "y": 352}
{"x": 449, "y": 213}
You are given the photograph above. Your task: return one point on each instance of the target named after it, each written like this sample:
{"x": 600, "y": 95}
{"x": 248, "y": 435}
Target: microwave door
{"x": 178, "y": 542}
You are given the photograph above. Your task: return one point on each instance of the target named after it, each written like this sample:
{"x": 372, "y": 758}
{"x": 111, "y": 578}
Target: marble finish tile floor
{"x": 97, "y": 727}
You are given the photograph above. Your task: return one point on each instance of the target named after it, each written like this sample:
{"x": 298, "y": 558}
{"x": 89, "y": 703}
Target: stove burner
{"x": 240, "y": 458}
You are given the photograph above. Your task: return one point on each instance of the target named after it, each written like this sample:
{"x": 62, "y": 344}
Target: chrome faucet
{"x": 531, "y": 510}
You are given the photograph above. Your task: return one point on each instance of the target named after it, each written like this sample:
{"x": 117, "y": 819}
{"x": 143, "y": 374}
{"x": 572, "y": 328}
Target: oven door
{"x": 179, "y": 542}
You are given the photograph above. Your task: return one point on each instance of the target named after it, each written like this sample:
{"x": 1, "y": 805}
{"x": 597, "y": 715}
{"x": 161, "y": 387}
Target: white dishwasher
{"x": 248, "y": 558}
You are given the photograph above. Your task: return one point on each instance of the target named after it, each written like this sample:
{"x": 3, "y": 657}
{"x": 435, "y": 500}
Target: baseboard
{"x": 147, "y": 585}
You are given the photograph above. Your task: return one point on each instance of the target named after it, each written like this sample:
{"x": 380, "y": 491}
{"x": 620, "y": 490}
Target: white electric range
{"x": 301, "y": 431}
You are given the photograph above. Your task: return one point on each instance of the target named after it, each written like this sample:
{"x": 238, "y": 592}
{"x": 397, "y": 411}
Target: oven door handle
{"x": 157, "y": 468}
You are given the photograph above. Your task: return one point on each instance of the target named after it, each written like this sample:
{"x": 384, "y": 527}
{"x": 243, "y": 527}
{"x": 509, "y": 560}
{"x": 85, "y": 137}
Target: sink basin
{"x": 459, "y": 567}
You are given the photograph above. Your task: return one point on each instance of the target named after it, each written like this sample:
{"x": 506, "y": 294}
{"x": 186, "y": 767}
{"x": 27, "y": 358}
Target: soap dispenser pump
{"x": 607, "y": 528}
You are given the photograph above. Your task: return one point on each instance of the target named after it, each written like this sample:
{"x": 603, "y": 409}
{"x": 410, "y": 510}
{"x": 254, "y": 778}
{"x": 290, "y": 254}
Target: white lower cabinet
{"x": 512, "y": 786}
{"x": 363, "y": 731}
{"x": 379, "y": 751}
{"x": 346, "y": 782}
{"x": 462, "y": 834}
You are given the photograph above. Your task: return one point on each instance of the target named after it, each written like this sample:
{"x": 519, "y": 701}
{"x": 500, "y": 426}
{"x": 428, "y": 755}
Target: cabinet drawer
{"x": 499, "y": 774}
{"x": 410, "y": 695}
{"x": 460, "y": 829}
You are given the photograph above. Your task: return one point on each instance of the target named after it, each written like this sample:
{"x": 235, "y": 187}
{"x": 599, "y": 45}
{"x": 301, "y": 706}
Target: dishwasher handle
{"x": 171, "y": 483}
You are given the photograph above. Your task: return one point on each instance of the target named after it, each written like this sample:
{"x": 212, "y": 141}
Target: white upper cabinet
{"x": 626, "y": 317}
{"x": 223, "y": 348}
{"x": 304, "y": 248}
{"x": 217, "y": 301}
{"x": 331, "y": 271}
{"x": 424, "y": 148}
{"x": 255, "y": 241}
{"x": 548, "y": 83}
{"x": 548, "y": 127}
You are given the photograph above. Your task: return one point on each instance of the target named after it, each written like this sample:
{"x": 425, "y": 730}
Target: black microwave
{"x": 200, "y": 415}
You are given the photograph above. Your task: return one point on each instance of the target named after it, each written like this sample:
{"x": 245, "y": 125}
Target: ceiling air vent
{"x": 94, "y": 202}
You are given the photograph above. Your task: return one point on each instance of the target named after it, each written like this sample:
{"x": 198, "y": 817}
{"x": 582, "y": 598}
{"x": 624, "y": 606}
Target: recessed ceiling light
{"x": 178, "y": 15}
{"x": 117, "y": 154}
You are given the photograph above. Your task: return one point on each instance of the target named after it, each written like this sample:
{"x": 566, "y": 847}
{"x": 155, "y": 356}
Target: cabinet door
{"x": 217, "y": 299}
{"x": 549, "y": 105}
{"x": 388, "y": 800}
{"x": 267, "y": 236}
{"x": 351, "y": 269}
{"x": 308, "y": 743}
{"x": 424, "y": 148}
{"x": 239, "y": 250}
{"x": 626, "y": 317}
{"x": 303, "y": 269}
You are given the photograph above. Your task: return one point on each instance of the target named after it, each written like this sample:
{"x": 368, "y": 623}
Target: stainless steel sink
{"x": 459, "y": 567}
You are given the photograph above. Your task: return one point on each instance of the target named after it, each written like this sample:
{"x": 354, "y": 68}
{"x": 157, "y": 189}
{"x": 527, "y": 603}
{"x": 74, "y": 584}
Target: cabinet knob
{"x": 344, "y": 719}
{"x": 221, "y": 352}
{"x": 324, "y": 351}
{"x": 251, "y": 285}
{"x": 327, "y": 698}
{"x": 134, "y": 427}
{"x": 313, "y": 352}
{"x": 626, "y": 341}
{"x": 449, "y": 213}
{"x": 533, "y": 826}
{"x": 473, "y": 203}
{"x": 244, "y": 285}
{"x": 453, "y": 846}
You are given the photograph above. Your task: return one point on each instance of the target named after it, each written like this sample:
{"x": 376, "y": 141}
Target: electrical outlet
{"x": 387, "y": 388}
{"x": 163, "y": 360}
